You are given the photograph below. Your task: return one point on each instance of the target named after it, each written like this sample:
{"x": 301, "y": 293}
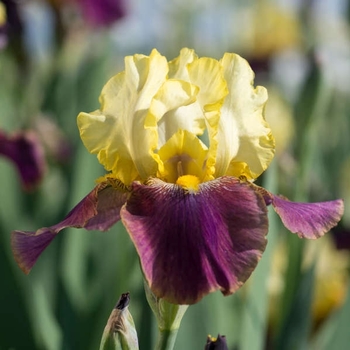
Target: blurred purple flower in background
{"x": 26, "y": 152}
{"x": 10, "y": 22}
{"x": 100, "y": 13}
{"x": 96, "y": 13}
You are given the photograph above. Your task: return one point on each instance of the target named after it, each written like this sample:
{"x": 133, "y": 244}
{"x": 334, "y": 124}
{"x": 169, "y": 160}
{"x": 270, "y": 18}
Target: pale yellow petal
{"x": 117, "y": 133}
{"x": 208, "y": 74}
{"x": 245, "y": 142}
{"x": 186, "y": 116}
{"x": 183, "y": 154}
{"x": 178, "y": 67}
{"x": 169, "y": 107}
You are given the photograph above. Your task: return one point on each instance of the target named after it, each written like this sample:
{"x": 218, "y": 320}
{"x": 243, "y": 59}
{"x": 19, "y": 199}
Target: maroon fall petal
{"x": 99, "y": 210}
{"x": 191, "y": 244}
{"x": 308, "y": 220}
{"x": 26, "y": 152}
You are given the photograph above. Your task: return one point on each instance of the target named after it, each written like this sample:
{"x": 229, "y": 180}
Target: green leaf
{"x": 296, "y": 327}
{"x": 334, "y": 334}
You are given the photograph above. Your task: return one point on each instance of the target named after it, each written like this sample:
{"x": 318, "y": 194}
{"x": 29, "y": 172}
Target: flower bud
{"x": 218, "y": 343}
{"x": 120, "y": 332}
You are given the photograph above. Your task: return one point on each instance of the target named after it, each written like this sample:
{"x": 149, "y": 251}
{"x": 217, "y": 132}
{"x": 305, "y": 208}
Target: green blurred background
{"x": 56, "y": 65}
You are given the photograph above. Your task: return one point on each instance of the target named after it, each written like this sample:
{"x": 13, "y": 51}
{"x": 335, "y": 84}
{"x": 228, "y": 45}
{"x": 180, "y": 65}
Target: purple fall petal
{"x": 26, "y": 152}
{"x": 99, "y": 210}
{"x": 193, "y": 244}
{"x": 308, "y": 220}
{"x": 27, "y": 246}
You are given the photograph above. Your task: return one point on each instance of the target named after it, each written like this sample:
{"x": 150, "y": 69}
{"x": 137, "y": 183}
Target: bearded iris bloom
{"x": 190, "y": 206}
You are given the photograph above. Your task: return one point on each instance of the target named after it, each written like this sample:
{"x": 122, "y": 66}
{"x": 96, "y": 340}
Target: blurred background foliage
{"x": 56, "y": 56}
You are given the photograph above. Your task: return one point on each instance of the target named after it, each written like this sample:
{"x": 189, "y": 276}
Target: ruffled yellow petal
{"x": 204, "y": 112}
{"x": 187, "y": 116}
{"x": 245, "y": 143}
{"x": 155, "y": 105}
{"x": 183, "y": 154}
{"x": 117, "y": 132}
{"x": 169, "y": 108}
{"x": 178, "y": 67}
{"x": 207, "y": 73}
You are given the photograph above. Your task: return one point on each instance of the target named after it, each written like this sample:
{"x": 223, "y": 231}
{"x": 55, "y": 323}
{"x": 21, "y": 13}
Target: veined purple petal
{"x": 191, "y": 244}
{"x": 308, "y": 220}
{"x": 99, "y": 210}
{"x": 26, "y": 152}
{"x": 27, "y": 246}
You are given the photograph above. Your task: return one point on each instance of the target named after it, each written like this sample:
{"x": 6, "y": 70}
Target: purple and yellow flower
{"x": 183, "y": 142}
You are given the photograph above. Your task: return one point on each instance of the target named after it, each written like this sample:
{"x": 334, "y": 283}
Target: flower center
{"x": 189, "y": 183}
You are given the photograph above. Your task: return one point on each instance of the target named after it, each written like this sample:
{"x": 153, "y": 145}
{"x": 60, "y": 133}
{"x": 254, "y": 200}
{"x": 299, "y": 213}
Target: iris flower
{"x": 183, "y": 142}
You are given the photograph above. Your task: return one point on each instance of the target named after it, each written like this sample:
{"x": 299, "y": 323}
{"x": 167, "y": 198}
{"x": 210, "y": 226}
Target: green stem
{"x": 168, "y": 317}
{"x": 166, "y": 339}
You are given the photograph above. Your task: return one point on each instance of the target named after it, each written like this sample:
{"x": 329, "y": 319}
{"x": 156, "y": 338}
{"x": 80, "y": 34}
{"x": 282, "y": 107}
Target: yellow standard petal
{"x": 169, "y": 108}
{"x": 208, "y": 74}
{"x": 118, "y": 133}
{"x": 203, "y": 113}
{"x": 186, "y": 116}
{"x": 178, "y": 67}
{"x": 245, "y": 142}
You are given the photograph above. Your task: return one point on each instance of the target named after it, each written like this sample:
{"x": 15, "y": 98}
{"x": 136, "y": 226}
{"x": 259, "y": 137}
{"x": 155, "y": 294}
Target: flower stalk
{"x": 166, "y": 339}
{"x": 169, "y": 317}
